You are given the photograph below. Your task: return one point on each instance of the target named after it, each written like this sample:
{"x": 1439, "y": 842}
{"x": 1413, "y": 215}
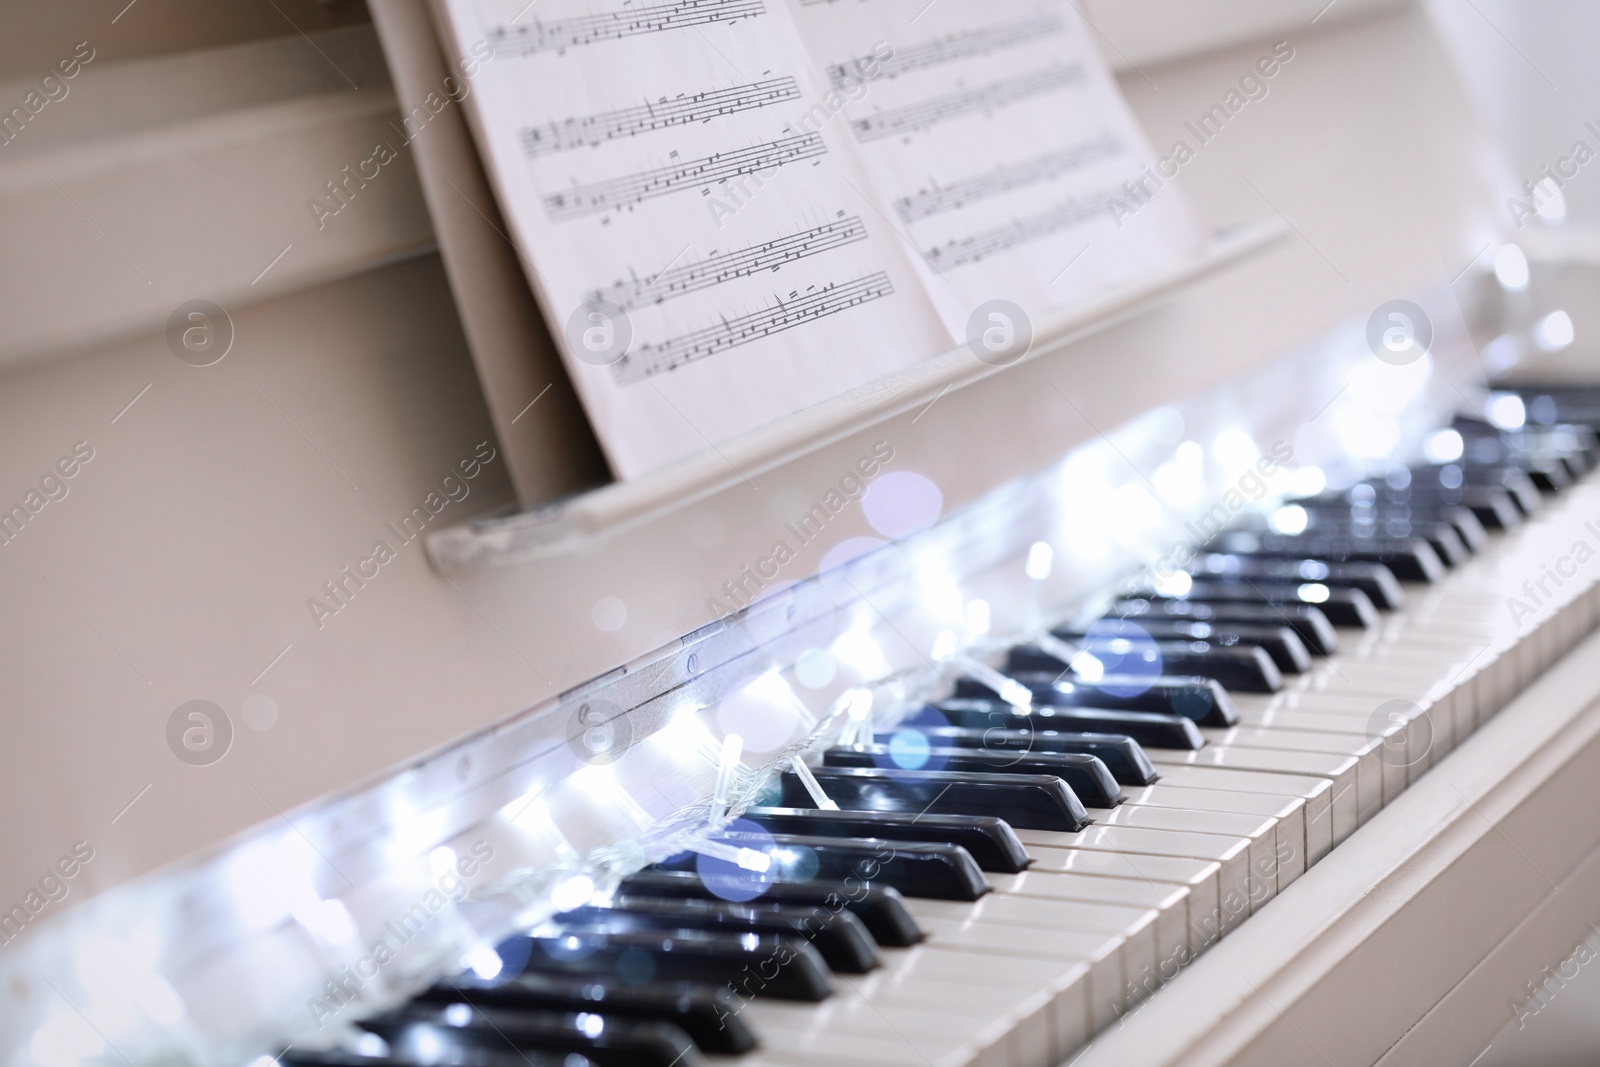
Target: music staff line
{"x": 964, "y": 45}
{"x": 978, "y": 246}
{"x": 681, "y": 110}
{"x": 926, "y": 203}
{"x": 721, "y": 267}
{"x": 617, "y": 193}
{"x": 785, "y": 314}
{"x": 558, "y": 35}
{"x": 939, "y": 109}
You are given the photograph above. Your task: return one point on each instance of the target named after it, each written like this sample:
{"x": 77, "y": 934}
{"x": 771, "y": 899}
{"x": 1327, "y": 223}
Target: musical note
{"x": 681, "y": 110}
{"x": 941, "y": 198}
{"x": 558, "y": 35}
{"x": 946, "y": 49}
{"x": 599, "y": 197}
{"x": 720, "y": 267}
{"x": 797, "y": 309}
{"x": 939, "y": 109}
{"x": 966, "y": 250}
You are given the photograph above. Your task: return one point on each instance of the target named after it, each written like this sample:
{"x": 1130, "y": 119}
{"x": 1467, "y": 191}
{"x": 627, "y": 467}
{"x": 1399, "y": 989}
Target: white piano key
{"x": 1105, "y": 952}
{"x": 1135, "y": 928}
{"x": 911, "y": 1021}
{"x": 1031, "y": 1018}
{"x": 1395, "y": 741}
{"x": 848, "y": 1028}
{"x": 1136, "y": 846}
{"x": 1367, "y": 751}
{"x": 1201, "y": 878}
{"x": 1169, "y": 902}
{"x": 1056, "y": 914}
{"x": 1259, "y": 832}
{"x": 1316, "y": 792}
{"x": 1340, "y": 771}
{"x": 1379, "y": 675}
{"x": 1288, "y": 812}
{"x": 1052, "y": 996}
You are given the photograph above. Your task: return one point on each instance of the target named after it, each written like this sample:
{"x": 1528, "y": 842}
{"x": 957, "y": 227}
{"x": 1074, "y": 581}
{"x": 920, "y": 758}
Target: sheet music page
{"x": 709, "y": 262}
{"x": 1001, "y": 143}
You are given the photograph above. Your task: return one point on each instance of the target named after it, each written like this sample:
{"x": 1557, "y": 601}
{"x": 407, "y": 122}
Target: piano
{"x": 1212, "y": 686}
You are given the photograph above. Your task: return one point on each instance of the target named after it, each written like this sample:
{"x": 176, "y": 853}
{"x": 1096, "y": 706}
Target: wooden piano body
{"x": 204, "y": 547}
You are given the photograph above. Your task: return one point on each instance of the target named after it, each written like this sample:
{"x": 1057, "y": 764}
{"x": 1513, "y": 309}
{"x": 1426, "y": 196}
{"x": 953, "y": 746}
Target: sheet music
{"x": 709, "y": 259}
{"x": 999, "y": 138}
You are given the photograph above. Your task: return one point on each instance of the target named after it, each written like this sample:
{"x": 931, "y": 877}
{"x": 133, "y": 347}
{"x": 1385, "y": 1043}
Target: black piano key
{"x": 1578, "y": 464}
{"x": 1412, "y": 559}
{"x": 1245, "y": 668}
{"x": 1461, "y": 518}
{"x": 879, "y": 907}
{"x": 1150, "y": 730}
{"x": 1536, "y": 435}
{"x": 1087, "y": 776}
{"x": 1288, "y": 652}
{"x": 1568, "y": 439}
{"x": 1446, "y": 543}
{"x": 1548, "y": 472}
{"x": 1488, "y": 446}
{"x": 1308, "y": 623}
{"x": 1363, "y": 529}
{"x": 1544, "y": 469}
{"x": 1373, "y": 579}
{"x": 1564, "y": 408}
{"x": 915, "y": 868}
{"x": 1571, "y": 442}
{"x": 1036, "y": 802}
{"x": 843, "y": 942}
{"x": 1399, "y": 506}
{"x": 1343, "y": 607}
{"x": 1575, "y": 448}
{"x": 991, "y": 842}
{"x": 1496, "y": 510}
{"x": 1120, "y": 753}
{"x": 1493, "y": 508}
{"x": 710, "y": 1016}
{"x": 1200, "y": 699}
{"x": 1440, "y": 535}
{"x": 606, "y": 1040}
{"x": 1513, "y": 480}
{"x": 739, "y": 961}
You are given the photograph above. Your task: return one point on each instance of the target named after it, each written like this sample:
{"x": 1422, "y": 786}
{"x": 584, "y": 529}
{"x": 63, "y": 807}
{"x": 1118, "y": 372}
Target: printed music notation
{"x": 966, "y": 250}
{"x": 680, "y": 110}
{"x": 557, "y": 35}
{"x": 926, "y": 113}
{"x": 599, "y": 197}
{"x": 797, "y": 309}
{"x": 941, "y": 198}
{"x": 720, "y": 267}
{"x": 687, "y": 178}
{"x": 947, "y": 49}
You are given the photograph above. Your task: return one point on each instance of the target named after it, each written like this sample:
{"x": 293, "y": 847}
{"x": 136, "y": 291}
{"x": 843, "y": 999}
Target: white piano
{"x": 355, "y": 715}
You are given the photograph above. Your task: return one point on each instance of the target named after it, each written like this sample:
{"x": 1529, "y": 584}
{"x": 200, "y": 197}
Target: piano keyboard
{"x": 993, "y": 882}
